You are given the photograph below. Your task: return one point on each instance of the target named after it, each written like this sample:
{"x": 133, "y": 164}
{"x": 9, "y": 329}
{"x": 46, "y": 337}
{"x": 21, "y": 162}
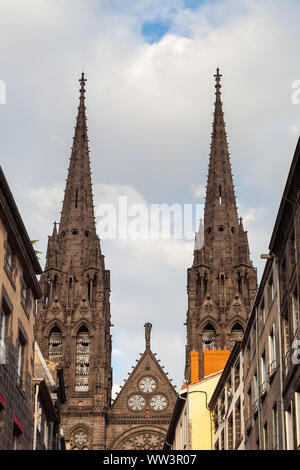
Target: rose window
{"x": 147, "y": 385}
{"x": 136, "y": 402}
{"x": 158, "y": 402}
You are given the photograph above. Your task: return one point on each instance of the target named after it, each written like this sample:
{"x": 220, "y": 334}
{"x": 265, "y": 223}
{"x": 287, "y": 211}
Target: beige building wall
{"x": 194, "y": 427}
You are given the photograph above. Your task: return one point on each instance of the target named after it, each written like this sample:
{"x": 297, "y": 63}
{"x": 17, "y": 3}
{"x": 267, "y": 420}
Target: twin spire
{"x": 220, "y": 205}
{"x": 78, "y": 210}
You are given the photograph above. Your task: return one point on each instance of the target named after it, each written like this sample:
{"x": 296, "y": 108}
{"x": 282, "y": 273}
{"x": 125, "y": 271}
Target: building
{"x": 222, "y": 281}
{"x": 285, "y": 249}
{"x": 271, "y": 344}
{"x": 191, "y": 425}
{"x": 139, "y": 416}
{"x": 49, "y": 395}
{"x": 227, "y": 405}
{"x": 19, "y": 290}
{"x": 73, "y": 317}
{"x": 263, "y": 367}
{"x": 262, "y": 411}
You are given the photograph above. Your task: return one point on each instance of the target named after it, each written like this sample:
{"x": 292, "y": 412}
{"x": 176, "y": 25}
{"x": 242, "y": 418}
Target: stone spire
{"x": 222, "y": 280}
{"x": 73, "y": 316}
{"x": 220, "y": 207}
{"x": 78, "y": 211}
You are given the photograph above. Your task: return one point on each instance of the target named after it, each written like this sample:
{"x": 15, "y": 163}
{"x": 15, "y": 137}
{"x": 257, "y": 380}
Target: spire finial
{"x": 82, "y": 81}
{"x": 148, "y": 327}
{"x": 218, "y": 77}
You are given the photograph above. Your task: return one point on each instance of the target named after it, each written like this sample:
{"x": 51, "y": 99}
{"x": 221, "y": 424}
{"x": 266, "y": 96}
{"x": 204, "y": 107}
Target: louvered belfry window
{"x": 55, "y": 345}
{"x": 82, "y": 360}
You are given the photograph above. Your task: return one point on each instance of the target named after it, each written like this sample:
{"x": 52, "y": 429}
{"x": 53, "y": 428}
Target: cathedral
{"x": 73, "y": 315}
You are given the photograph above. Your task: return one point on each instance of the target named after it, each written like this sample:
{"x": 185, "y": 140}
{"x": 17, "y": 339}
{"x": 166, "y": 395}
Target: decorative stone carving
{"x": 143, "y": 441}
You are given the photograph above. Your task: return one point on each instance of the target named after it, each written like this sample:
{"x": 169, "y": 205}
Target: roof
{"x": 288, "y": 200}
{"x": 18, "y": 236}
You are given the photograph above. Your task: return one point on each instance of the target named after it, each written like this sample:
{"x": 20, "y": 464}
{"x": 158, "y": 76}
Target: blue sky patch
{"x": 193, "y": 4}
{"x": 154, "y": 31}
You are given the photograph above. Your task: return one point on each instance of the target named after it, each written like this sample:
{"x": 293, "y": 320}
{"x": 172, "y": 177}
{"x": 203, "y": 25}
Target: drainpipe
{"x": 258, "y": 375}
{"x": 280, "y": 352}
{"x": 187, "y": 415}
{"x": 36, "y": 414}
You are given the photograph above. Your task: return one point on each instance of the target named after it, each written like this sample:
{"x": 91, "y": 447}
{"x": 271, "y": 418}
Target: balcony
{"x": 255, "y": 407}
{"x": 263, "y": 390}
{"x": 271, "y": 370}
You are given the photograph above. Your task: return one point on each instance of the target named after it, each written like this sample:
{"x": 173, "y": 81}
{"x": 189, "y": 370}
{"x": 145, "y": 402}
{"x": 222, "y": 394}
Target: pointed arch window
{"x": 209, "y": 337}
{"x": 55, "y": 345}
{"x": 82, "y": 360}
{"x": 237, "y": 332}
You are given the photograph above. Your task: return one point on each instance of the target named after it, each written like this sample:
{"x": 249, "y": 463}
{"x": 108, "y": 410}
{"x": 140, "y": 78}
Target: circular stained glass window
{"x": 147, "y": 385}
{"x": 80, "y": 438}
{"x": 136, "y": 402}
{"x": 158, "y": 402}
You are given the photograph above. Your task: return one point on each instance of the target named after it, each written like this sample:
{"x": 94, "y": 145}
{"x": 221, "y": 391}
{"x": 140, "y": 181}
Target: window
{"x": 230, "y": 433}
{"x": 249, "y": 403}
{"x": 262, "y": 312}
{"x": 238, "y": 424}
{"x": 275, "y": 427}
{"x": 272, "y": 354}
{"x": 270, "y": 291}
{"x": 236, "y": 375}
{"x": 283, "y": 277}
{"x": 21, "y": 359}
{"x": 255, "y": 394}
{"x": 8, "y": 260}
{"x": 209, "y": 337}
{"x": 55, "y": 345}
{"x": 265, "y": 437}
{"x": 25, "y": 296}
{"x": 297, "y": 416}
{"x": 263, "y": 374}
{"x": 289, "y": 429}
{"x": 292, "y": 251}
{"x": 16, "y": 438}
{"x": 286, "y": 343}
{"x": 237, "y": 333}
{"x": 222, "y": 440}
{"x": 295, "y": 312}
{"x": 3, "y": 326}
{"x": 82, "y": 360}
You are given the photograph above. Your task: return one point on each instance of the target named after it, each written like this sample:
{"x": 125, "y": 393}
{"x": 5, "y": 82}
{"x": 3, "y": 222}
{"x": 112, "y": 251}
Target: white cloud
{"x": 149, "y": 114}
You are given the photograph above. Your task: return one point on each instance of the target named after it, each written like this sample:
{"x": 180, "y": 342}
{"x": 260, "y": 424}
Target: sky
{"x": 150, "y": 94}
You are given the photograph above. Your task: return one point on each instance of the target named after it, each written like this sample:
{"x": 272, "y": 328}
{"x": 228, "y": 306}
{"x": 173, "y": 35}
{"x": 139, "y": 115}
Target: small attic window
{"x": 75, "y": 232}
{"x": 86, "y": 233}
{"x": 232, "y": 229}
{"x": 221, "y": 228}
